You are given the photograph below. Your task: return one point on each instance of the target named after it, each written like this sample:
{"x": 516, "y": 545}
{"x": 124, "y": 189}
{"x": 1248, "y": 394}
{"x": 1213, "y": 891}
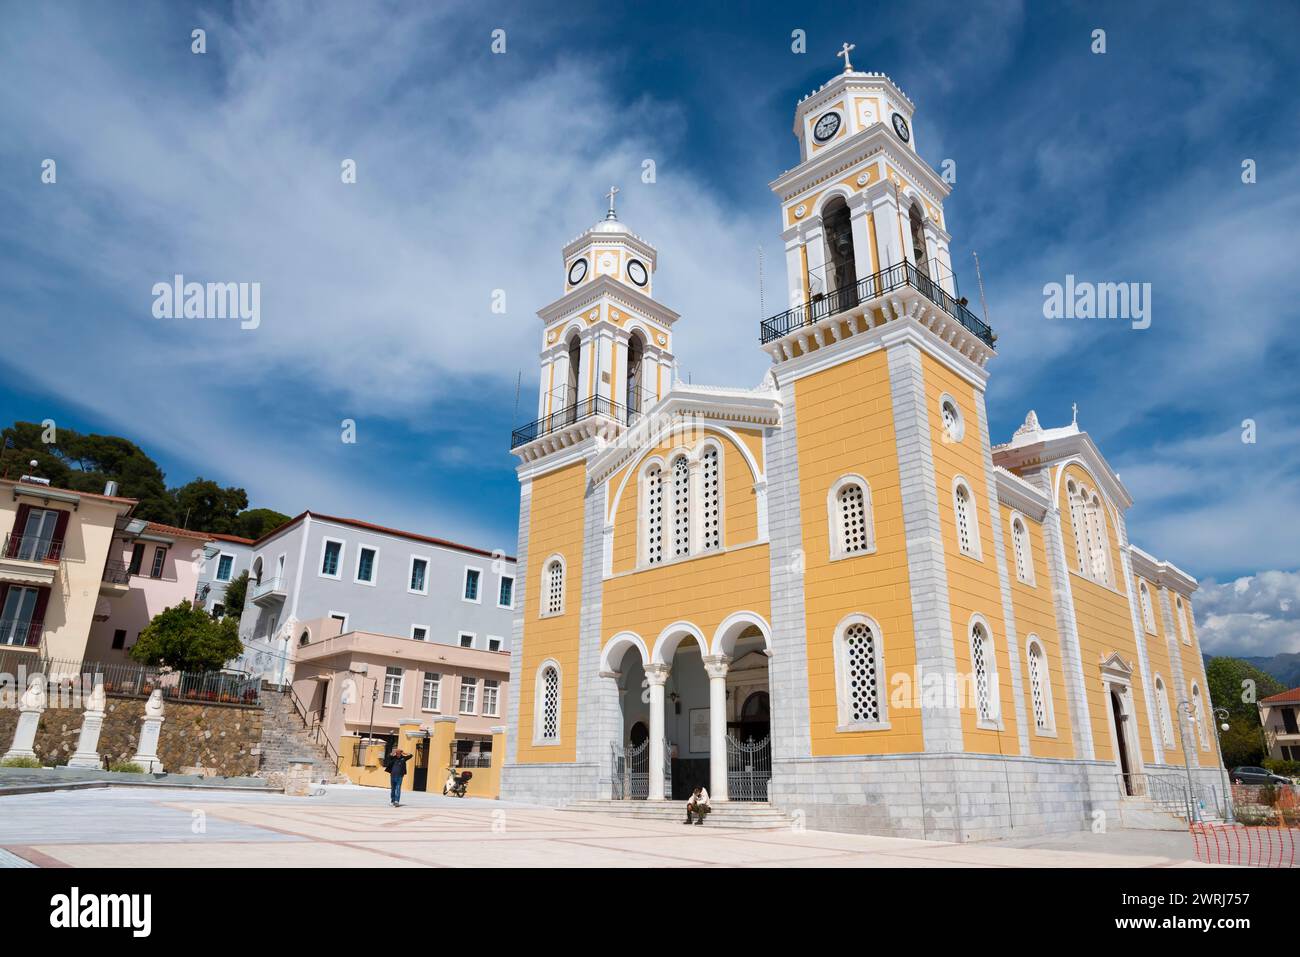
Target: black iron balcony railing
{"x": 32, "y": 548}
{"x": 595, "y": 405}
{"x": 865, "y": 290}
{"x": 21, "y": 632}
{"x": 116, "y": 573}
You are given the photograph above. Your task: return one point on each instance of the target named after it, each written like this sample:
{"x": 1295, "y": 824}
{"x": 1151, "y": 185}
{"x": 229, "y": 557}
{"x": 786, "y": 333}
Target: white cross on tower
{"x": 613, "y": 191}
{"x": 844, "y": 52}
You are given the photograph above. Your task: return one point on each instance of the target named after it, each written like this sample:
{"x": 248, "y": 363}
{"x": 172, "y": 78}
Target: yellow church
{"x": 832, "y": 595}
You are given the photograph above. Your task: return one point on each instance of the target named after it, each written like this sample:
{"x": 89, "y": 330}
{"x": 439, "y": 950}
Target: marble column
{"x": 716, "y": 668}
{"x": 656, "y": 675}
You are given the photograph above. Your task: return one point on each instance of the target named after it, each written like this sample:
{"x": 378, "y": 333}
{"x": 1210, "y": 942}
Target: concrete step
{"x": 743, "y": 815}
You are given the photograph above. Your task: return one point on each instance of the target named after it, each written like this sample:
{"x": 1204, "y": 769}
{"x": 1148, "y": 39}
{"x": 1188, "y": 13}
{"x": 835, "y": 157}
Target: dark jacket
{"x": 396, "y": 766}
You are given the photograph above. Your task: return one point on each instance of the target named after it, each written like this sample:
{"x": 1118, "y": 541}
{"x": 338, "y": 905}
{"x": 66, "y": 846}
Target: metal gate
{"x": 630, "y": 772}
{"x": 749, "y": 768}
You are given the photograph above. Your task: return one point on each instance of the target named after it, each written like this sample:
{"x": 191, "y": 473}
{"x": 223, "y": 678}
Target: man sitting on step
{"x": 699, "y": 804}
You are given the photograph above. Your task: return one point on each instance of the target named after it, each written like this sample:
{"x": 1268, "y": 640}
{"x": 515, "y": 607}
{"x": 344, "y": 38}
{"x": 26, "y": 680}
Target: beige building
{"x": 52, "y": 566}
{"x": 359, "y": 684}
{"x": 1280, "y": 716}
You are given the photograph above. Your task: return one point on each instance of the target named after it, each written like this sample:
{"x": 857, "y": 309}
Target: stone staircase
{"x": 741, "y": 815}
{"x": 285, "y": 737}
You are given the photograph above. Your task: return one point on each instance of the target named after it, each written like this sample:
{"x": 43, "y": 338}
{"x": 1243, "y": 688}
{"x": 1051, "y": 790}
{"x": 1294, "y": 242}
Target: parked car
{"x": 1251, "y": 775}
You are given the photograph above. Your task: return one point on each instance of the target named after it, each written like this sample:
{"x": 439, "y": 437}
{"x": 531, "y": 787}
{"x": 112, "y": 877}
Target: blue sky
{"x": 474, "y": 169}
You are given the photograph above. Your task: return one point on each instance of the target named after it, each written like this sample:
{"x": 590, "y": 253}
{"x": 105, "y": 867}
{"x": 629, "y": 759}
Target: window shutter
{"x": 60, "y": 530}
{"x": 38, "y": 615}
{"x": 20, "y": 523}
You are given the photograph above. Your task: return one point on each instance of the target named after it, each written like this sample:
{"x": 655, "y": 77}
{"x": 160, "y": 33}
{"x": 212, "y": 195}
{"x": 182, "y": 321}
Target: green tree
{"x": 1228, "y": 680}
{"x": 204, "y": 505}
{"x": 256, "y": 522}
{"x": 235, "y": 594}
{"x": 189, "y": 639}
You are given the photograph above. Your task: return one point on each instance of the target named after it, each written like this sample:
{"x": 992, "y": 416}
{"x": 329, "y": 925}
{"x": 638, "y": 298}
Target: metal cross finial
{"x": 613, "y": 191}
{"x": 1074, "y": 407}
{"x": 844, "y": 52}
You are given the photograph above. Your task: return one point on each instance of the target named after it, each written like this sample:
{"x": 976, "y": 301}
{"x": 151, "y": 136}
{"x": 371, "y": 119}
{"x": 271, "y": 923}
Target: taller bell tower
{"x": 606, "y": 342}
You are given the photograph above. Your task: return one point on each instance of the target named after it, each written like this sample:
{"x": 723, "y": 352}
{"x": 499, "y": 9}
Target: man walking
{"x": 395, "y": 765}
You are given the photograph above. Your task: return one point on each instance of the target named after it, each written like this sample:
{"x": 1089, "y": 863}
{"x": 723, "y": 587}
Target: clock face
{"x": 636, "y": 272}
{"x": 900, "y": 127}
{"x": 826, "y": 127}
{"x": 577, "y": 272}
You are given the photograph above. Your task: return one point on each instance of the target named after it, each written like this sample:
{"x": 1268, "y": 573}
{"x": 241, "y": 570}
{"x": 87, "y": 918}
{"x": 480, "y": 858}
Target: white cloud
{"x": 1253, "y": 615}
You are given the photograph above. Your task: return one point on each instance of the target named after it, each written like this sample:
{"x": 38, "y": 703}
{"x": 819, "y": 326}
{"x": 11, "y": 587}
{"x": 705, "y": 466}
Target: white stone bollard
{"x": 87, "y": 754}
{"x": 146, "y": 753}
{"x": 30, "y": 708}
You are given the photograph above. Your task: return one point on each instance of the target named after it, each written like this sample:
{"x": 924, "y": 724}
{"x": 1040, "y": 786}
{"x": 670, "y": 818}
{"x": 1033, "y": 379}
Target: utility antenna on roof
{"x": 979, "y": 277}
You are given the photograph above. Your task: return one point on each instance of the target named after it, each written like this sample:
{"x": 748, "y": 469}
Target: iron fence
{"x": 134, "y": 680}
{"x": 21, "y": 632}
{"x": 32, "y": 548}
{"x": 576, "y": 412}
{"x": 749, "y": 769}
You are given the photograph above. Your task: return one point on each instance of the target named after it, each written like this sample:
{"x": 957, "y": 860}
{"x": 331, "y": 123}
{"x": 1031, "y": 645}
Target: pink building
{"x": 160, "y": 567}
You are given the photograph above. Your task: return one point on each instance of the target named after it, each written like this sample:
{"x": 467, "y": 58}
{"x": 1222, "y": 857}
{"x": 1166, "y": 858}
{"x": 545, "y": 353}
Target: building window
{"x": 1183, "y": 630}
{"x": 984, "y": 672}
{"x": 21, "y": 620}
{"x": 506, "y": 593}
{"x": 546, "y": 720}
{"x": 491, "y": 697}
{"x": 553, "y": 591}
{"x": 1162, "y": 716}
{"x": 331, "y": 558}
{"x": 393, "y": 686}
{"x": 420, "y": 632}
{"x": 1020, "y": 547}
{"x": 1080, "y": 530}
{"x": 954, "y": 427}
{"x": 654, "y": 497}
{"x": 430, "y": 692}
{"x": 711, "y": 534}
{"x": 1148, "y": 615}
{"x": 470, "y": 592}
{"x": 859, "y": 674}
{"x": 225, "y": 565}
{"x": 419, "y": 576}
{"x": 1040, "y": 687}
{"x": 1100, "y": 550}
{"x": 466, "y": 639}
{"x": 366, "y": 565}
{"x": 851, "y": 527}
{"x": 1198, "y": 714}
{"x": 963, "y": 506}
{"x": 159, "y": 558}
{"x": 681, "y": 507}
{"x": 468, "y": 695}
{"x": 119, "y": 638}
{"x": 494, "y": 644}
{"x": 137, "y": 559}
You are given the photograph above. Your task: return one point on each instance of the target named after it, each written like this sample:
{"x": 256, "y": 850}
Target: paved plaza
{"x": 354, "y": 827}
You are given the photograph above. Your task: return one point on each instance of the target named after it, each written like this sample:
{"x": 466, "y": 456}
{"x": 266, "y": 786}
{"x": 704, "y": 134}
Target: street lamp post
{"x": 1187, "y": 713}
{"x": 1221, "y": 725}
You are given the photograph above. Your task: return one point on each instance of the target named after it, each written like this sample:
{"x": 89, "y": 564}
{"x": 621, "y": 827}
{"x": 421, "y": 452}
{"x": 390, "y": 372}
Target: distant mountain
{"x": 1285, "y": 667}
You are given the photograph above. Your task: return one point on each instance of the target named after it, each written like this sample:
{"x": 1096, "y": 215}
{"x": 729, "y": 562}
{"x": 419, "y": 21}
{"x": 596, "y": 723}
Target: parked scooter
{"x": 457, "y": 784}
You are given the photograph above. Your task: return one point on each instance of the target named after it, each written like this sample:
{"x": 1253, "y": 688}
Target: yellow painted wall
{"x": 1158, "y": 656}
{"x": 1035, "y": 611}
{"x": 1194, "y": 669}
{"x": 973, "y": 586}
{"x": 555, "y": 526}
{"x": 846, "y": 425}
{"x": 1104, "y": 625}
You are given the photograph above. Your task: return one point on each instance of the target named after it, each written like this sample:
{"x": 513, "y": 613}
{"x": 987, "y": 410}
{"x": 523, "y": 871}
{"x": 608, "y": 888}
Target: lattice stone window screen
{"x": 1148, "y": 616}
{"x": 1099, "y": 549}
{"x": 1037, "y": 691}
{"x": 861, "y": 677}
{"x": 554, "y": 587}
{"x": 1199, "y": 714}
{"x": 1020, "y": 543}
{"x": 951, "y": 424}
{"x": 981, "y": 654}
{"x": 655, "y": 519}
{"x": 854, "y": 533}
{"x": 1080, "y": 530}
{"x": 550, "y": 704}
{"x": 681, "y": 507}
{"x": 1162, "y": 710}
{"x": 712, "y": 531}
{"x": 963, "y": 508}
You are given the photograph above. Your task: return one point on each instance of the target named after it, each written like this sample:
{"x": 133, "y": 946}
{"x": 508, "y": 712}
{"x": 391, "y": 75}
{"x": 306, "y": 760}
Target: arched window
{"x": 635, "y": 359}
{"x": 954, "y": 427}
{"x": 1100, "y": 552}
{"x": 681, "y": 507}
{"x": 654, "y": 499}
{"x": 837, "y": 227}
{"x": 1020, "y": 547}
{"x": 1162, "y": 714}
{"x": 1040, "y": 687}
{"x": 860, "y": 674}
{"x": 852, "y": 530}
{"x": 1198, "y": 715}
{"x": 1080, "y": 527}
{"x": 546, "y": 719}
{"x": 1144, "y": 599}
{"x": 963, "y": 507}
{"x": 711, "y": 533}
{"x": 919, "y": 256}
{"x": 572, "y": 386}
{"x": 1182, "y": 622}
{"x": 553, "y": 587}
{"x": 984, "y": 670}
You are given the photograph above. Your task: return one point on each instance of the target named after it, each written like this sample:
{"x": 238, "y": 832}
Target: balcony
{"x": 592, "y": 416}
{"x": 30, "y": 560}
{"x": 116, "y": 579}
{"x": 269, "y": 591}
{"x": 878, "y": 298}
{"x": 21, "y": 632}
